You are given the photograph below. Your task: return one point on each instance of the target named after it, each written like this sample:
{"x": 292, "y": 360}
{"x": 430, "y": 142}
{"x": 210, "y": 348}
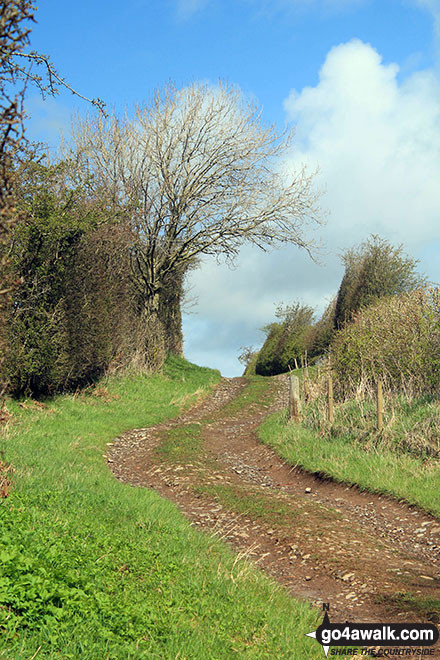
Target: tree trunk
{"x": 170, "y": 314}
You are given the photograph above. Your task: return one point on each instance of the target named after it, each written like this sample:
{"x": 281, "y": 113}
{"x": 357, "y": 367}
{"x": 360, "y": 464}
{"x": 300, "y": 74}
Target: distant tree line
{"x": 374, "y": 271}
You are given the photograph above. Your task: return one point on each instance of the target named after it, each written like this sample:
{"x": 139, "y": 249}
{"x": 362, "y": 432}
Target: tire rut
{"x": 324, "y": 541}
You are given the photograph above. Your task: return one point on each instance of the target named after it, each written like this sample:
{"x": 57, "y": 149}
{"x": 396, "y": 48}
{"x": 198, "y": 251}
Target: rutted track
{"x": 323, "y": 541}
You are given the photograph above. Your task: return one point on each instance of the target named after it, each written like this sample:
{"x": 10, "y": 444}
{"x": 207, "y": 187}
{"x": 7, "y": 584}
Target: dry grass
{"x": 5, "y": 415}
{"x": 184, "y": 401}
{"x": 411, "y": 420}
{"x": 5, "y": 482}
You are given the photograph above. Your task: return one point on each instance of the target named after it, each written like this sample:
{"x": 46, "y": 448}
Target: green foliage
{"x": 75, "y": 313}
{"x": 16, "y": 20}
{"x": 267, "y": 363}
{"x": 250, "y": 369}
{"x": 321, "y": 333}
{"x": 42, "y": 254}
{"x": 373, "y": 270}
{"x": 37, "y": 586}
{"x": 397, "y": 340}
{"x": 248, "y": 357}
{"x": 285, "y": 341}
{"x": 92, "y": 568}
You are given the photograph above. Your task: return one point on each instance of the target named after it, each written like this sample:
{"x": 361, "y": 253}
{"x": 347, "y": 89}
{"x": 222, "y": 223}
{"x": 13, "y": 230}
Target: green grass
{"x": 258, "y": 390}
{"x": 373, "y": 467}
{"x": 269, "y": 507}
{"x": 410, "y": 426}
{"x": 95, "y": 569}
{"x": 181, "y": 444}
{"x": 251, "y": 502}
{"x": 409, "y": 602}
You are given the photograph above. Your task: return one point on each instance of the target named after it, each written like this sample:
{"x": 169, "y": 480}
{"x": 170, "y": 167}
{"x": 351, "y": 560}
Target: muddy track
{"x": 371, "y": 557}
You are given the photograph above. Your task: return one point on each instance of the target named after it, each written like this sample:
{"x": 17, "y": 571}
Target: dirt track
{"x": 324, "y": 542}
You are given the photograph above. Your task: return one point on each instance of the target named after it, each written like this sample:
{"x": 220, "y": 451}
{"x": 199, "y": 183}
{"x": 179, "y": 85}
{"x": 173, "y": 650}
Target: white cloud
{"x": 377, "y": 143}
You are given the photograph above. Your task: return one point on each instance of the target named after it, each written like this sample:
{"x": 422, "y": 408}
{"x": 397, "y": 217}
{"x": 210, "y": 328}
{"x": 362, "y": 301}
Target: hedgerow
{"x": 397, "y": 340}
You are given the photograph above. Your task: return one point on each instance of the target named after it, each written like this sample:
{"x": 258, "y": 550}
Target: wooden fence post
{"x": 379, "y": 405}
{"x": 306, "y": 378}
{"x": 294, "y": 400}
{"x": 331, "y": 415}
{"x": 305, "y": 384}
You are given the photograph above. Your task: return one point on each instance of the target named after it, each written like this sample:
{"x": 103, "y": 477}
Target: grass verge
{"x": 96, "y": 569}
{"x": 342, "y": 457}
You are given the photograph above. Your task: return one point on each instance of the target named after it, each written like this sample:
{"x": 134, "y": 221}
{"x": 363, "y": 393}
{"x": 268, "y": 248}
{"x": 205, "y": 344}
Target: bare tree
{"x": 195, "y": 172}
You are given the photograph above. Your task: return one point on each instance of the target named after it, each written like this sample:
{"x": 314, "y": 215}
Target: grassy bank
{"x": 401, "y": 460}
{"x": 96, "y": 569}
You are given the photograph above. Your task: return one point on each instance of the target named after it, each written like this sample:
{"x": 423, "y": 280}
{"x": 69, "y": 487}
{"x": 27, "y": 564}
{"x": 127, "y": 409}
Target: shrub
{"x": 397, "y": 340}
{"x": 267, "y": 362}
{"x": 320, "y": 335}
{"x": 75, "y": 312}
{"x": 286, "y": 341}
{"x": 248, "y": 357}
{"x": 373, "y": 270}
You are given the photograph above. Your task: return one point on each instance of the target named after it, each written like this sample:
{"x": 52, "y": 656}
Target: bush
{"x": 373, "y": 270}
{"x": 397, "y": 340}
{"x": 286, "y": 341}
{"x": 248, "y": 357}
{"x": 267, "y": 363}
{"x": 320, "y": 335}
{"x": 75, "y": 312}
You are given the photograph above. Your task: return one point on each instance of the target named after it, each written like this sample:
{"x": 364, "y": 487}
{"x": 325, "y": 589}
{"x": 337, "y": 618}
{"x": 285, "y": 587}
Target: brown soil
{"x": 369, "y": 556}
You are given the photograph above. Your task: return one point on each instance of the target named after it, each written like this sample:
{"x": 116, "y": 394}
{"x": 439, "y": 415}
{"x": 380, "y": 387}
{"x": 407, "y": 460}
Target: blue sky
{"x": 360, "y": 81}
{"x": 122, "y": 51}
